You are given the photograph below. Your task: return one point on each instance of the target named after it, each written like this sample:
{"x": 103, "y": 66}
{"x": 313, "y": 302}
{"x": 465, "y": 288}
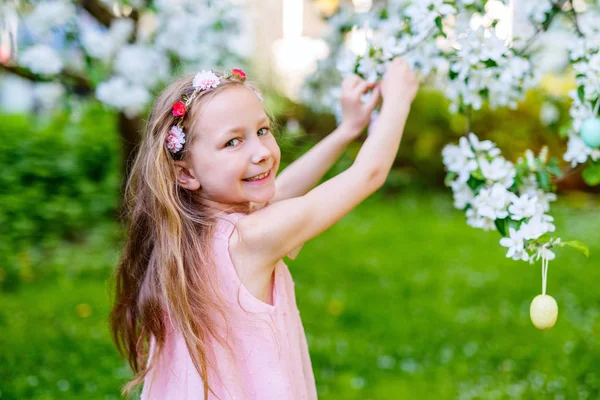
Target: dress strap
{"x": 225, "y": 223}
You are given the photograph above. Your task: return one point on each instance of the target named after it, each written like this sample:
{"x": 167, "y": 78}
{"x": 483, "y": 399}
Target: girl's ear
{"x": 186, "y": 177}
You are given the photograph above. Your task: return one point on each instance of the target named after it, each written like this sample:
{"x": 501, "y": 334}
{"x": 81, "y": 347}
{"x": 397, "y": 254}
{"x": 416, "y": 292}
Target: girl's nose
{"x": 260, "y": 153}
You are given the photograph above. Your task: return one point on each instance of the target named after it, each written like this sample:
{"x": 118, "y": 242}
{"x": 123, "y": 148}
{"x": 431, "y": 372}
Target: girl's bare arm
{"x": 272, "y": 232}
{"x": 303, "y": 174}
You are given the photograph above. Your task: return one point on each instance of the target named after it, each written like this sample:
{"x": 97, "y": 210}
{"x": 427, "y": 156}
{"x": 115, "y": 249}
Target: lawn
{"x": 400, "y": 300}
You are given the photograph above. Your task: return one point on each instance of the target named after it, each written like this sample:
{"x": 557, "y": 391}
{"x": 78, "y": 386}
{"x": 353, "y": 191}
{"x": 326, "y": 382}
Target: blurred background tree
{"x": 120, "y": 53}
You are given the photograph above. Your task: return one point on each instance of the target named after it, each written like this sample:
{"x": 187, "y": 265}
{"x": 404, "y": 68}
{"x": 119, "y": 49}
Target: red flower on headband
{"x": 179, "y": 109}
{"x": 238, "y": 73}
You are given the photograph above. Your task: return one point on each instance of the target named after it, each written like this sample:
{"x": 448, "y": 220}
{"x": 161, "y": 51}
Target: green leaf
{"x": 545, "y": 238}
{"x": 449, "y": 178}
{"x": 501, "y": 225}
{"x": 513, "y": 224}
{"x": 544, "y": 180}
{"x": 477, "y": 175}
{"x": 581, "y": 94}
{"x": 577, "y": 245}
{"x": 474, "y": 184}
{"x": 591, "y": 174}
{"x": 564, "y": 130}
{"x": 438, "y": 23}
{"x": 553, "y": 168}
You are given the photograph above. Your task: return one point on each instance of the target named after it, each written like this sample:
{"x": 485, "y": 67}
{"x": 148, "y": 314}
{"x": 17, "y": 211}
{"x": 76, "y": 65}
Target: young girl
{"x": 205, "y": 307}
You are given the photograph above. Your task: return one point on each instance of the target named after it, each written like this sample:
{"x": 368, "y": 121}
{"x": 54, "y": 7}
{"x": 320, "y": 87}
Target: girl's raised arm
{"x": 304, "y": 173}
{"x": 272, "y": 232}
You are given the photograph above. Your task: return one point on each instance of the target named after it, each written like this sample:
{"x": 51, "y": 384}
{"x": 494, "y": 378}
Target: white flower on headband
{"x": 205, "y": 80}
{"x": 175, "y": 139}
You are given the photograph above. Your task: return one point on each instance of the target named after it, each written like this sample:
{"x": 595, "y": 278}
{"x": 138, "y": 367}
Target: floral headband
{"x": 204, "y": 80}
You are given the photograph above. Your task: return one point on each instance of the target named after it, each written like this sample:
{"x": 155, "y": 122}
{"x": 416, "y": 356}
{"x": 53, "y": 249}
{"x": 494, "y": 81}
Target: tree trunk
{"x": 130, "y": 130}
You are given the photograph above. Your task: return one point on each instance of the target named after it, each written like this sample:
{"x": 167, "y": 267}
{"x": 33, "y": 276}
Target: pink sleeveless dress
{"x": 270, "y": 358}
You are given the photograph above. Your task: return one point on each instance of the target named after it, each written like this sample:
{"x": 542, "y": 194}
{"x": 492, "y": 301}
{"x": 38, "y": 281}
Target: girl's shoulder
{"x": 225, "y": 223}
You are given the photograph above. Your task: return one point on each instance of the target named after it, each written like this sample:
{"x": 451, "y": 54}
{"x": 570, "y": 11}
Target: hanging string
{"x": 544, "y": 270}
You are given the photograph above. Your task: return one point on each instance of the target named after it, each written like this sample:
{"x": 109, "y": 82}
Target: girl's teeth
{"x": 258, "y": 177}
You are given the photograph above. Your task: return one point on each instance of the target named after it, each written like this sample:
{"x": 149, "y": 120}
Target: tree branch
{"x": 567, "y": 172}
{"x": 79, "y": 83}
{"x": 22, "y": 72}
{"x": 573, "y": 16}
{"x": 98, "y": 11}
{"x": 103, "y": 14}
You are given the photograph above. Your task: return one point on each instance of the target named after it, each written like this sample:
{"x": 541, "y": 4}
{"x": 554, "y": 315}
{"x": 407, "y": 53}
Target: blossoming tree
{"x": 121, "y": 52}
{"x": 458, "y": 45}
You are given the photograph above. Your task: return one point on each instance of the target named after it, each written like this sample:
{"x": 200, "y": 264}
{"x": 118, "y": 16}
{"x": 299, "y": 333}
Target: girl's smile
{"x": 258, "y": 179}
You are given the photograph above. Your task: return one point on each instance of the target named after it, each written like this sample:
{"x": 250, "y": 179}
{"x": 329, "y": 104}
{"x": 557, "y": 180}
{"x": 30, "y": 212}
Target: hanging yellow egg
{"x": 543, "y": 311}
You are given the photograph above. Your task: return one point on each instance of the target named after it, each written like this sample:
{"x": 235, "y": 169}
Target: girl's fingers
{"x": 350, "y": 82}
{"x": 374, "y": 98}
{"x": 363, "y": 87}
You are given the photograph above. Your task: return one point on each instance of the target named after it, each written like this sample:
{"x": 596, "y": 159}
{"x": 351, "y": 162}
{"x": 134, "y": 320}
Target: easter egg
{"x": 543, "y": 311}
{"x": 590, "y": 132}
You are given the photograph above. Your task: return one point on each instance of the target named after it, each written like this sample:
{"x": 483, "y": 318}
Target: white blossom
{"x": 117, "y": 92}
{"x": 479, "y": 221}
{"x": 41, "y": 59}
{"x": 544, "y": 252}
{"x": 516, "y": 245}
{"x": 536, "y": 10}
{"x": 578, "y": 152}
{"x": 463, "y": 195}
{"x": 522, "y": 207}
{"x": 486, "y": 146}
{"x": 536, "y": 226}
{"x": 103, "y": 43}
{"x": 460, "y": 159}
{"x": 141, "y": 65}
{"x": 544, "y": 199}
{"x": 493, "y": 202}
{"x": 48, "y": 15}
{"x": 96, "y": 43}
{"x": 120, "y": 30}
{"x": 498, "y": 170}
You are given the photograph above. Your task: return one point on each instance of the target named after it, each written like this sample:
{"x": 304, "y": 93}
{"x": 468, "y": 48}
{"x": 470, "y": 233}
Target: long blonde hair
{"x": 164, "y": 271}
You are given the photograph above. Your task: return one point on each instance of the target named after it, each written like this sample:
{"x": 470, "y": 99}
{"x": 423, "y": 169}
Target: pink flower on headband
{"x": 175, "y": 139}
{"x": 238, "y": 73}
{"x": 179, "y": 109}
{"x": 205, "y": 80}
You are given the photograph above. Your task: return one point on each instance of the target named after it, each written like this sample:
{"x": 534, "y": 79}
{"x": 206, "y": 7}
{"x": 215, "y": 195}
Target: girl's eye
{"x": 264, "y": 130}
{"x": 232, "y": 142}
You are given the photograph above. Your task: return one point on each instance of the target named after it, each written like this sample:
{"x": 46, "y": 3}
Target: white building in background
{"x": 288, "y": 40}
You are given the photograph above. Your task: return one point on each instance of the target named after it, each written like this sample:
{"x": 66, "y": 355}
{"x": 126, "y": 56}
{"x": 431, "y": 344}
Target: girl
{"x": 205, "y": 306}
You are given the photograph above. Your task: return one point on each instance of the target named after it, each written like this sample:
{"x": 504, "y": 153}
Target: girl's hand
{"x": 399, "y": 85}
{"x": 356, "y": 114}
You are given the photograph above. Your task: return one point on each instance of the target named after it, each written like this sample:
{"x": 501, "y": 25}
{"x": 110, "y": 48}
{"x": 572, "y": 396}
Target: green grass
{"x": 400, "y": 300}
